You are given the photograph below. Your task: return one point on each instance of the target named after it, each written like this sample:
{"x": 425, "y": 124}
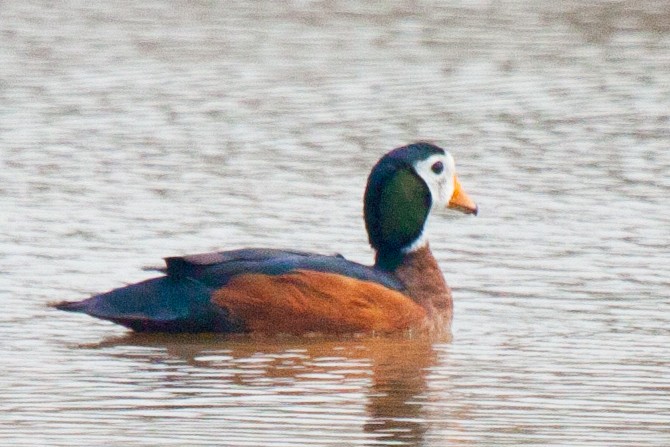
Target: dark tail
{"x": 70, "y": 306}
{"x": 162, "y": 304}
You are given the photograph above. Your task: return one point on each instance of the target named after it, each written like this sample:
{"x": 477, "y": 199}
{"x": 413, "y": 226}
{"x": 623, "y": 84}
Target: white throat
{"x": 441, "y": 186}
{"x": 419, "y": 243}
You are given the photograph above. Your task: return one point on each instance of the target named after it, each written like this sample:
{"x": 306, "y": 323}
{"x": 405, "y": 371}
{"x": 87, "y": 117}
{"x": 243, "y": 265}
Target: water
{"x": 132, "y": 132}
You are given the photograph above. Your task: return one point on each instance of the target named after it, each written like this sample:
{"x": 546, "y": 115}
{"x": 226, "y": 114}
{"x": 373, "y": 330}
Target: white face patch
{"x": 438, "y": 171}
{"x": 440, "y": 181}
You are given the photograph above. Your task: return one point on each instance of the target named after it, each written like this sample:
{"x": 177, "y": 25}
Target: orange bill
{"x": 461, "y": 201}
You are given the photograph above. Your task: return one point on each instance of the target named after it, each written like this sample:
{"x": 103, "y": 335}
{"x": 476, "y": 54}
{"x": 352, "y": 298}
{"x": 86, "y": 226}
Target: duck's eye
{"x": 437, "y": 167}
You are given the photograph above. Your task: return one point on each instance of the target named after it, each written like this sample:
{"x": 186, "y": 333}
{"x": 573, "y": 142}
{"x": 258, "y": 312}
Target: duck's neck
{"x": 420, "y": 273}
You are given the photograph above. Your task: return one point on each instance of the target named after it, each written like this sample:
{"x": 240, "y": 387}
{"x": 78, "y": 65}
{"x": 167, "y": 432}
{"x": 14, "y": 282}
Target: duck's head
{"x": 404, "y": 187}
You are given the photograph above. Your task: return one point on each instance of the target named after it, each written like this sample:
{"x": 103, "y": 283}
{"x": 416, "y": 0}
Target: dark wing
{"x": 216, "y": 269}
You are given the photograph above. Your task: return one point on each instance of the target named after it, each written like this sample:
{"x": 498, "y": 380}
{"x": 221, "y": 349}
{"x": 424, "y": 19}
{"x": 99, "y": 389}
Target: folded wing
{"x": 262, "y": 290}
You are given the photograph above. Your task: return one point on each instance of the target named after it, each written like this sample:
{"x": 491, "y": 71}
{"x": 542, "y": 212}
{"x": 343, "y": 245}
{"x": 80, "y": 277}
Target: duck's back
{"x": 259, "y": 290}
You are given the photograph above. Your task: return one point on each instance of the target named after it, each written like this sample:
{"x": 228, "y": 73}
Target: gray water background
{"x": 130, "y": 131}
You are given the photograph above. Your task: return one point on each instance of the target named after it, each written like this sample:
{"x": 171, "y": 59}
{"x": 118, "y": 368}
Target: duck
{"x": 273, "y": 291}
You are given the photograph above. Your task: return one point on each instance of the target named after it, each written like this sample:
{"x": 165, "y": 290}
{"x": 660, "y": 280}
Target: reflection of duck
{"x": 395, "y": 408}
{"x": 276, "y": 291}
{"x": 375, "y": 384}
